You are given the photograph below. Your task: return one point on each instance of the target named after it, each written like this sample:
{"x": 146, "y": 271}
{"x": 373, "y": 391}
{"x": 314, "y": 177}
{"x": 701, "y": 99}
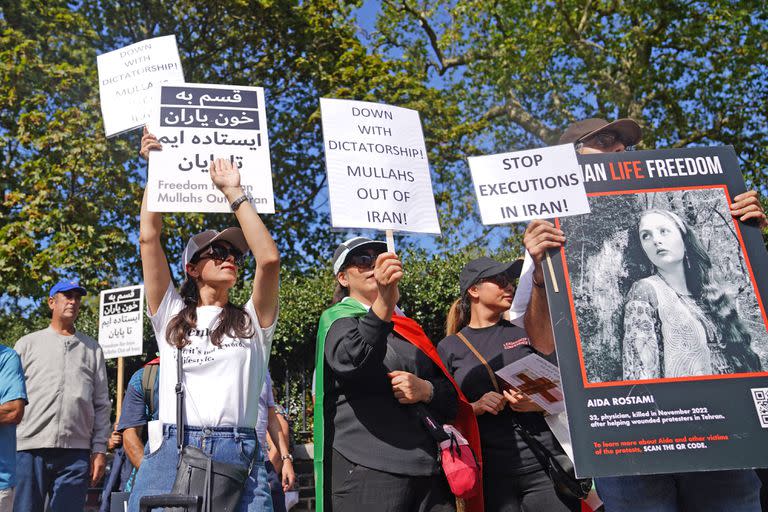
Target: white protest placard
{"x": 196, "y": 124}
{"x": 537, "y": 378}
{"x": 128, "y": 78}
{"x": 121, "y": 321}
{"x": 534, "y": 184}
{"x": 378, "y": 172}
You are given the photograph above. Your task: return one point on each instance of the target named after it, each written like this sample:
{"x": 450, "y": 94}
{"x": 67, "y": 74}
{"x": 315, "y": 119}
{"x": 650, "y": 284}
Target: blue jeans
{"x": 233, "y": 445}
{"x": 61, "y": 473}
{"x": 706, "y": 491}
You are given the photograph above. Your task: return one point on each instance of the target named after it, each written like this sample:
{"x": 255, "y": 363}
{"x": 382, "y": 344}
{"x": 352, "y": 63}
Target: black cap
{"x": 342, "y": 252}
{"x": 483, "y": 267}
{"x": 628, "y": 129}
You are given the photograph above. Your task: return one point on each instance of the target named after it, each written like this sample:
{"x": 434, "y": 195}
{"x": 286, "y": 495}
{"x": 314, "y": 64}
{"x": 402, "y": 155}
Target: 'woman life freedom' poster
{"x": 660, "y": 321}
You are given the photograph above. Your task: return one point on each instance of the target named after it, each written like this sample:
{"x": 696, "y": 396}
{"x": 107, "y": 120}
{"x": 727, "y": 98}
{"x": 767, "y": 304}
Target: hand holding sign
{"x": 388, "y": 272}
{"x": 148, "y": 143}
{"x": 747, "y": 206}
{"x": 541, "y": 235}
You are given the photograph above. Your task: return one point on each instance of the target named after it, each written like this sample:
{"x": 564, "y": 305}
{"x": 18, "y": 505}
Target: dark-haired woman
{"x": 373, "y": 452}
{"x": 225, "y": 347}
{"x": 513, "y": 479}
{"x": 678, "y": 321}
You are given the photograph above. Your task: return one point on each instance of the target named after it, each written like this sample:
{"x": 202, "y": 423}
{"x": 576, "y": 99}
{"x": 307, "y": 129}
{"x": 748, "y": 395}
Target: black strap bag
{"x": 558, "y": 467}
{"x": 200, "y": 480}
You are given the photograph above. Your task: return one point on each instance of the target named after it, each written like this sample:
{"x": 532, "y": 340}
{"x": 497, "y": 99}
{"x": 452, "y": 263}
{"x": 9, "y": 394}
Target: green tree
{"x": 690, "y": 72}
{"x": 71, "y": 197}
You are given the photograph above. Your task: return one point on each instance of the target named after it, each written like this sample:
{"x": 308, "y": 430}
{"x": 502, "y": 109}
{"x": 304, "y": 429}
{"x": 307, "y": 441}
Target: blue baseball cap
{"x": 65, "y": 285}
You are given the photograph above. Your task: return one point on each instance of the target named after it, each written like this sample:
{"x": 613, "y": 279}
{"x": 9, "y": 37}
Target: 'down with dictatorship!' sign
{"x": 532, "y": 184}
{"x": 196, "y": 124}
{"x": 378, "y": 172}
{"x": 129, "y": 77}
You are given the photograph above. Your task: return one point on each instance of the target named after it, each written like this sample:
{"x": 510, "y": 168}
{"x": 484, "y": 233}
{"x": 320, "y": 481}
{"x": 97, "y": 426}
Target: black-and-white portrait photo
{"x": 661, "y": 288}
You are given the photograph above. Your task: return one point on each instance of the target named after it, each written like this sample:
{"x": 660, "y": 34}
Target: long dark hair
{"x": 233, "y": 320}
{"x": 703, "y": 285}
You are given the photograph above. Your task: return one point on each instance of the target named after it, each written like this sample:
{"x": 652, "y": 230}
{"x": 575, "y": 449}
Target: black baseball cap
{"x": 628, "y": 129}
{"x": 483, "y": 267}
{"x": 344, "y": 249}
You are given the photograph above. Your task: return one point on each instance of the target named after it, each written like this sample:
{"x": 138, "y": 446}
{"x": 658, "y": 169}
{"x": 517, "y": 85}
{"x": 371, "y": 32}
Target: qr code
{"x": 760, "y": 396}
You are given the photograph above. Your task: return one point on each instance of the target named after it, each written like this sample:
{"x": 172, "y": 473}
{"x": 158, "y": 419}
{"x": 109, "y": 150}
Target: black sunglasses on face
{"x": 364, "y": 261}
{"x": 604, "y": 140}
{"x": 222, "y": 253}
{"x": 501, "y": 280}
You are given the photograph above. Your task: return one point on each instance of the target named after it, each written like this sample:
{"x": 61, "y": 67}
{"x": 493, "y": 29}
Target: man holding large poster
{"x": 666, "y": 332}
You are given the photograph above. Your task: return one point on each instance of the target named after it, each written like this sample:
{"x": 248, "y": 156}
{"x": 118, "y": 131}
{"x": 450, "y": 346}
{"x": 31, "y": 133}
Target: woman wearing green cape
{"x": 372, "y": 451}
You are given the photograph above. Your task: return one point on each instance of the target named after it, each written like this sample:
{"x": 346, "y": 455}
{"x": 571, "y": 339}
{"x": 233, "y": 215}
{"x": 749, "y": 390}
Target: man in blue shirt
{"x": 13, "y": 398}
{"x": 140, "y": 406}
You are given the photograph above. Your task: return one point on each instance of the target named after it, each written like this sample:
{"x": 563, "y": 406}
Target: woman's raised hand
{"x": 491, "y": 402}
{"x": 225, "y": 175}
{"x": 148, "y": 143}
{"x": 388, "y": 272}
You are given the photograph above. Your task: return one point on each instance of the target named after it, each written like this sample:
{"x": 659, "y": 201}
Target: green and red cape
{"x": 411, "y": 331}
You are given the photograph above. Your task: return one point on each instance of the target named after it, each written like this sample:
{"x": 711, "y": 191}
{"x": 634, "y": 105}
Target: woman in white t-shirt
{"x": 225, "y": 348}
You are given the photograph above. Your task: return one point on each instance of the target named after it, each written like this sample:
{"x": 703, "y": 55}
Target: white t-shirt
{"x": 266, "y": 400}
{"x": 222, "y": 384}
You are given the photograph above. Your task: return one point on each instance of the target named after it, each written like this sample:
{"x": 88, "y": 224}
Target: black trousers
{"x": 531, "y": 492}
{"x": 356, "y": 488}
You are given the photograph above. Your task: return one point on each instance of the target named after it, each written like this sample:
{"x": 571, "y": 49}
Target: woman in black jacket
{"x": 381, "y": 456}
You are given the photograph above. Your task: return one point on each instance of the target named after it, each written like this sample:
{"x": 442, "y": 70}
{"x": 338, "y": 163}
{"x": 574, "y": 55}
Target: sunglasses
{"x": 501, "y": 280}
{"x": 222, "y": 253}
{"x": 363, "y": 261}
{"x": 604, "y": 140}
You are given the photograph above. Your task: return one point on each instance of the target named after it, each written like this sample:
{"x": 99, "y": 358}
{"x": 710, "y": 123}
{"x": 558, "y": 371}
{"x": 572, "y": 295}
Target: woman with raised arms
{"x": 225, "y": 347}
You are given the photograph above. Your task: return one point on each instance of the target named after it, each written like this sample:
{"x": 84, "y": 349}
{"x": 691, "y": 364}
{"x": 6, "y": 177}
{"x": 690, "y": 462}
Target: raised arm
{"x": 266, "y": 280}
{"x": 540, "y": 235}
{"x": 154, "y": 264}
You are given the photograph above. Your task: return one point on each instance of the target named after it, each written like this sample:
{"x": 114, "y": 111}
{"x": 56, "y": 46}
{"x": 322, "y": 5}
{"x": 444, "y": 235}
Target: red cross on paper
{"x": 540, "y": 386}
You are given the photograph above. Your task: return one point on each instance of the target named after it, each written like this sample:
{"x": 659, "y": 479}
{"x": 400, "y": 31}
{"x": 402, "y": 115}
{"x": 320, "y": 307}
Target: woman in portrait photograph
{"x": 678, "y": 319}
